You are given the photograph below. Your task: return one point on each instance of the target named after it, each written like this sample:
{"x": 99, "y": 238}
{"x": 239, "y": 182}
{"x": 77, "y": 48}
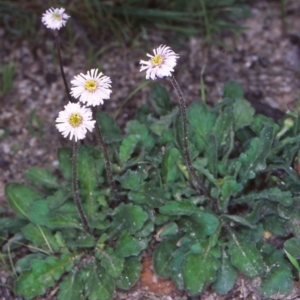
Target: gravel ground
{"x": 264, "y": 59}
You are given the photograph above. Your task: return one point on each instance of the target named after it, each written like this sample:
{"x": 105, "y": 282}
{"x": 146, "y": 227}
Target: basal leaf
{"x": 127, "y": 147}
{"x": 40, "y": 237}
{"x": 226, "y": 275}
{"x": 127, "y": 245}
{"x": 87, "y": 179}
{"x": 201, "y": 122}
{"x": 20, "y": 197}
{"x": 245, "y": 256}
{"x": 111, "y": 261}
{"x": 109, "y": 129}
{"x": 160, "y": 100}
{"x": 200, "y": 224}
{"x": 38, "y": 212}
{"x": 242, "y": 113}
{"x": 43, "y": 274}
{"x": 178, "y": 208}
{"x": 278, "y": 279}
{"x": 233, "y": 90}
{"x": 170, "y": 170}
{"x": 98, "y": 285}
{"x": 161, "y": 126}
{"x": 150, "y": 195}
{"x": 64, "y": 155}
{"x": 71, "y": 288}
{"x": 41, "y": 177}
{"x": 162, "y": 256}
{"x": 140, "y": 130}
{"x": 199, "y": 270}
{"x": 129, "y": 217}
{"x": 253, "y": 160}
{"x": 132, "y": 180}
{"x": 130, "y": 274}
{"x": 292, "y": 246}
{"x": 271, "y": 194}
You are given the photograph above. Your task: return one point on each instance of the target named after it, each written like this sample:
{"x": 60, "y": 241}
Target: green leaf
{"x": 38, "y": 212}
{"x": 276, "y": 225}
{"x": 199, "y": 270}
{"x": 127, "y": 245}
{"x": 232, "y": 90}
{"x": 41, "y": 177}
{"x": 127, "y": 147}
{"x": 229, "y": 188}
{"x": 111, "y": 262}
{"x": 178, "y": 208}
{"x": 12, "y": 224}
{"x": 64, "y": 155}
{"x": 168, "y": 230}
{"x": 222, "y": 129}
{"x": 245, "y": 256}
{"x": 211, "y": 153}
{"x": 239, "y": 220}
{"x": 278, "y": 278}
{"x": 201, "y": 122}
{"x": 87, "y": 179}
{"x": 160, "y": 100}
{"x": 131, "y": 180}
{"x": 160, "y": 126}
{"x": 25, "y": 262}
{"x": 63, "y": 222}
{"x": 20, "y": 197}
{"x": 131, "y": 273}
{"x": 200, "y": 224}
{"x": 153, "y": 196}
{"x": 162, "y": 257}
{"x": 140, "y": 130}
{"x": 98, "y": 285}
{"x": 83, "y": 240}
{"x": 292, "y": 246}
{"x": 242, "y": 113}
{"x": 40, "y": 237}
{"x": 129, "y": 217}
{"x": 272, "y": 194}
{"x": 146, "y": 230}
{"x": 226, "y": 275}
{"x": 170, "y": 170}
{"x": 253, "y": 160}
{"x": 59, "y": 197}
{"x": 43, "y": 274}
{"x": 71, "y": 288}
{"x": 109, "y": 129}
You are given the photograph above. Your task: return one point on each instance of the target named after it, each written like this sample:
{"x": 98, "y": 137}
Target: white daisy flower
{"x": 161, "y": 64}
{"x": 75, "y": 120}
{"x": 91, "y": 88}
{"x": 55, "y": 18}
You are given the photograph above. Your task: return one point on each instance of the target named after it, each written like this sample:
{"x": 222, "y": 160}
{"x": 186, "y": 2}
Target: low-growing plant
{"x": 87, "y": 225}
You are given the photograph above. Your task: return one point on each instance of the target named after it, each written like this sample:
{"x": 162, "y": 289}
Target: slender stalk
{"x": 57, "y": 44}
{"x": 82, "y": 215}
{"x": 106, "y": 158}
{"x": 182, "y": 107}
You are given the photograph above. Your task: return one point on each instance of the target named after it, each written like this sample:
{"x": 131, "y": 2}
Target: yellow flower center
{"x": 56, "y": 16}
{"x": 157, "y": 60}
{"x": 90, "y": 85}
{"x": 75, "y": 119}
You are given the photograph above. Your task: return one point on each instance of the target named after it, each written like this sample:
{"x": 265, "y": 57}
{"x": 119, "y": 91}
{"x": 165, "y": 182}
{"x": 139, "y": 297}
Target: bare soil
{"x": 265, "y": 59}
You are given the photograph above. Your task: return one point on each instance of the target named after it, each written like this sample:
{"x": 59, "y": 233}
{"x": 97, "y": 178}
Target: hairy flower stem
{"x": 106, "y": 158}
{"x": 182, "y": 107}
{"x": 82, "y": 215}
{"x": 57, "y": 44}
